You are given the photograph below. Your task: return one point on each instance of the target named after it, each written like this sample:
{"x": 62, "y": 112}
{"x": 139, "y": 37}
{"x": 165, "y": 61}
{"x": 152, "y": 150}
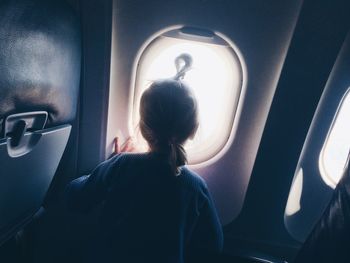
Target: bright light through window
{"x": 215, "y": 77}
{"x": 336, "y": 148}
{"x": 293, "y": 203}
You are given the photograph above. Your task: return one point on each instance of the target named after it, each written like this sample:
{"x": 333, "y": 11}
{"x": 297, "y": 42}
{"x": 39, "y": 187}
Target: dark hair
{"x": 168, "y": 117}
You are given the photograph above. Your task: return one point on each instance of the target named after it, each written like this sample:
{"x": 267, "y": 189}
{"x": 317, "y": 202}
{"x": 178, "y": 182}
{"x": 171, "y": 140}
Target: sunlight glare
{"x": 293, "y": 203}
{"x": 336, "y": 148}
{"x": 215, "y": 78}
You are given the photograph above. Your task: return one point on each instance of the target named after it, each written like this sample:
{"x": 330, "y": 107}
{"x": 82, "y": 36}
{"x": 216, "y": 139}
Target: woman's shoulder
{"x": 120, "y": 160}
{"x": 125, "y": 157}
{"x": 193, "y": 180}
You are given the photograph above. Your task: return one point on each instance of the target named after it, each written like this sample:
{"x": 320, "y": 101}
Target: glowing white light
{"x": 216, "y": 80}
{"x": 337, "y": 145}
{"x": 293, "y": 203}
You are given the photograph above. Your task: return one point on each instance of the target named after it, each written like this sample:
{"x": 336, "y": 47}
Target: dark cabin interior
{"x": 70, "y": 74}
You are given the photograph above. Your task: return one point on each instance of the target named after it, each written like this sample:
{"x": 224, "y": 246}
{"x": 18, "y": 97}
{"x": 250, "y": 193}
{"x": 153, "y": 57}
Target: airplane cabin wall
{"x": 315, "y": 192}
{"x": 317, "y": 40}
{"x": 257, "y": 171}
{"x": 262, "y": 32}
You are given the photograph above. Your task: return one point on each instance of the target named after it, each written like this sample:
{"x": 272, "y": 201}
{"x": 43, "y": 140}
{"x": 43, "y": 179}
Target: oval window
{"x": 216, "y": 77}
{"x": 336, "y": 148}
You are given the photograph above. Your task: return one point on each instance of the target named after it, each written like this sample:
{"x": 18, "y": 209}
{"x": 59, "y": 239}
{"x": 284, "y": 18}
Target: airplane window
{"x": 337, "y": 145}
{"x": 216, "y": 77}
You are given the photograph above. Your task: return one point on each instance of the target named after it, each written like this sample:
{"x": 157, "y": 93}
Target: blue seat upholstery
{"x": 40, "y": 57}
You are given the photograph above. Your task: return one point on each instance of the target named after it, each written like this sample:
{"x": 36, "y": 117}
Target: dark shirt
{"x": 148, "y": 214}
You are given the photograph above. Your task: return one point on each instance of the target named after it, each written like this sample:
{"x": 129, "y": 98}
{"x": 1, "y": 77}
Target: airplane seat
{"x": 40, "y": 57}
{"x": 330, "y": 238}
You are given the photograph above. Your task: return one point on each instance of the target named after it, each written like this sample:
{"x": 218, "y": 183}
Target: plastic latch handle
{"x": 18, "y": 132}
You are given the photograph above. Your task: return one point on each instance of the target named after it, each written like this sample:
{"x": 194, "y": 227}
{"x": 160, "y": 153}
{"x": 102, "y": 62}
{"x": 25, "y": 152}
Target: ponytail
{"x": 168, "y": 115}
{"x": 177, "y": 157}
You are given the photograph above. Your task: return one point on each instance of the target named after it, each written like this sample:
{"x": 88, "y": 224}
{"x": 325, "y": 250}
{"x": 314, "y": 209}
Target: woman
{"x": 154, "y": 209}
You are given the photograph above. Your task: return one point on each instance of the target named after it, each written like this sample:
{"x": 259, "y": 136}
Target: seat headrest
{"x": 40, "y": 56}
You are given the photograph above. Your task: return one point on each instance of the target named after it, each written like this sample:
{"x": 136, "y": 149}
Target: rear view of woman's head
{"x": 168, "y": 117}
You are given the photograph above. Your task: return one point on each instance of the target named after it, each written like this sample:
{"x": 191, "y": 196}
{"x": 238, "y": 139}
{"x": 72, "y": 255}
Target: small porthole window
{"x": 216, "y": 77}
{"x": 336, "y": 148}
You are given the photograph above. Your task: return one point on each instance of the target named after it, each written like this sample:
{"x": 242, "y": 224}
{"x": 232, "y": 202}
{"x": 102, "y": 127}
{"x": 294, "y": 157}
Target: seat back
{"x": 40, "y": 56}
{"x": 330, "y": 239}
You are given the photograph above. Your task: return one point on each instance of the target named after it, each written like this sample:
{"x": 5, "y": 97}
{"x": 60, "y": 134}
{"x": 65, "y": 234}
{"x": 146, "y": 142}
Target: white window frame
{"x": 134, "y": 99}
